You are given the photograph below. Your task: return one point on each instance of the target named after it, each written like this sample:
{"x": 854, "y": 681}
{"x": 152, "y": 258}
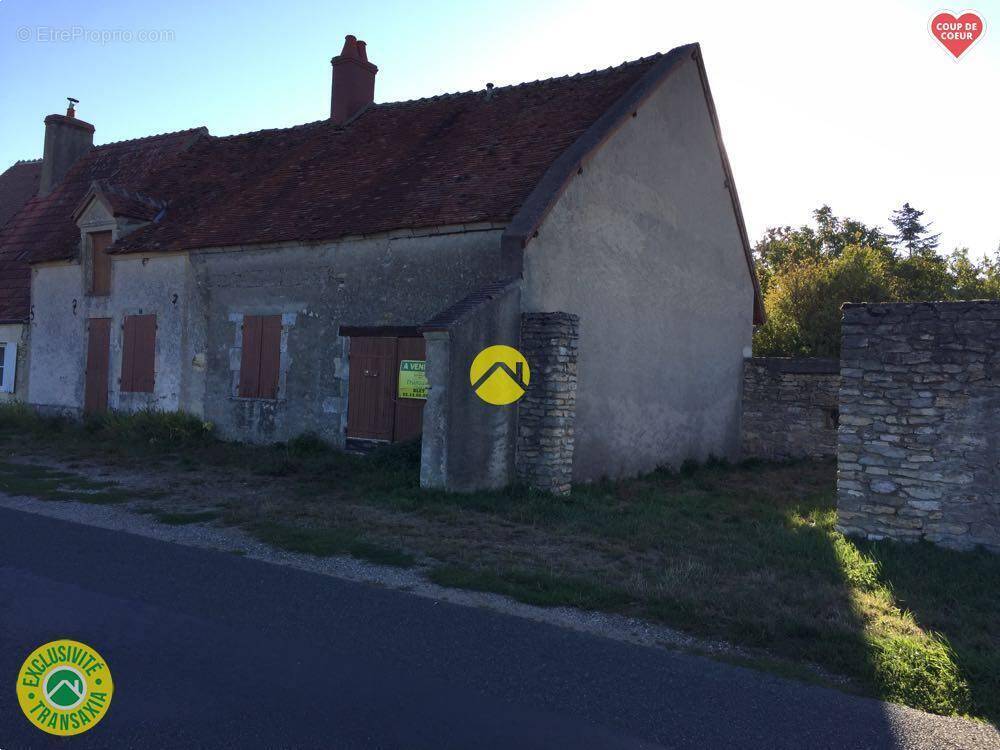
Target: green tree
{"x": 911, "y": 233}
{"x": 783, "y": 248}
{"x": 837, "y": 233}
{"x": 974, "y": 280}
{"x": 989, "y": 271}
{"x": 803, "y": 303}
{"x": 808, "y": 272}
{"x": 966, "y": 274}
{"x": 923, "y": 278}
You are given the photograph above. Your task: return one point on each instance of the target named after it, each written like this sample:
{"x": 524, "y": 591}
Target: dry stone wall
{"x": 919, "y": 438}
{"x": 547, "y": 410}
{"x": 790, "y": 407}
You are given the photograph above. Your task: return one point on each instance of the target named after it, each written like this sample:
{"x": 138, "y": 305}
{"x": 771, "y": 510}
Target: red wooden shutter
{"x": 100, "y": 276}
{"x": 261, "y": 358}
{"x": 144, "y": 363}
{"x": 250, "y": 360}
{"x": 270, "y": 355}
{"x": 95, "y": 397}
{"x": 138, "y": 353}
{"x": 128, "y": 354}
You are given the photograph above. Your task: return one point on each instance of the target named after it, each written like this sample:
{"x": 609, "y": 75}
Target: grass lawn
{"x": 746, "y": 554}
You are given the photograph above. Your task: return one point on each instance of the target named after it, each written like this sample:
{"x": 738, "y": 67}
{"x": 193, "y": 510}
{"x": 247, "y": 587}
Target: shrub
{"x": 307, "y": 445}
{"x": 19, "y": 418}
{"x": 803, "y": 305}
{"x": 398, "y": 457}
{"x": 161, "y": 428}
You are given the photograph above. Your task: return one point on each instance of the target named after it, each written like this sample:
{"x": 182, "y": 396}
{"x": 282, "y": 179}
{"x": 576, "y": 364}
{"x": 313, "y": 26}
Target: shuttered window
{"x": 261, "y": 356}
{"x": 100, "y": 264}
{"x": 138, "y": 353}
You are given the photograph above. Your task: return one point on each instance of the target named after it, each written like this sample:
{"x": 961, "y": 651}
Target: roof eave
{"x": 525, "y": 223}
{"x": 759, "y": 316}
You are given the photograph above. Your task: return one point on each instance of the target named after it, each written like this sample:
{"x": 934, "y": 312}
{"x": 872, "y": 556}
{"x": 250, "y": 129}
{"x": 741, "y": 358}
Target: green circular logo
{"x": 65, "y": 688}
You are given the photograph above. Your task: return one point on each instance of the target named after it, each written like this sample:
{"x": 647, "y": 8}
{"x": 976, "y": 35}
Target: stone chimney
{"x": 353, "y": 81}
{"x": 66, "y": 140}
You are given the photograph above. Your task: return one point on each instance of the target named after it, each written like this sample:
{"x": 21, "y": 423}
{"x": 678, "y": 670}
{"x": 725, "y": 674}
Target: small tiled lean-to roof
{"x": 451, "y": 159}
{"x": 44, "y": 228}
{"x": 457, "y": 312}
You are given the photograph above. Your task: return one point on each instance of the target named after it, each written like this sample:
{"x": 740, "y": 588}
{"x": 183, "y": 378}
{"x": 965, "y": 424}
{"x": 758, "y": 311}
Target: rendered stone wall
{"x": 645, "y": 247}
{"x": 919, "y": 441}
{"x": 395, "y": 279}
{"x": 790, "y": 407}
{"x": 468, "y": 444}
{"x": 546, "y": 413}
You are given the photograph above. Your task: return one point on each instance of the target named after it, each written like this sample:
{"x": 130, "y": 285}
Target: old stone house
{"x": 275, "y": 282}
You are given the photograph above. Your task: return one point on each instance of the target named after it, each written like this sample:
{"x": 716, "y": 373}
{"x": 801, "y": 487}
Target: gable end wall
{"x": 644, "y": 246}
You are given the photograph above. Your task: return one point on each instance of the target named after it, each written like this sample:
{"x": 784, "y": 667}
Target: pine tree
{"x": 911, "y": 232}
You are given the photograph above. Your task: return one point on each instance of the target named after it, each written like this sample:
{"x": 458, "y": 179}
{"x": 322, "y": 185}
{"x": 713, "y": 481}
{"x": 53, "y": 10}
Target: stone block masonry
{"x": 547, "y": 411}
{"x": 790, "y": 407}
{"x": 919, "y": 438}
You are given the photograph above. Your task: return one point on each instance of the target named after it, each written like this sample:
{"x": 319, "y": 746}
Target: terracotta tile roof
{"x": 44, "y": 228}
{"x": 451, "y": 159}
{"x": 450, "y": 316}
{"x": 17, "y": 185}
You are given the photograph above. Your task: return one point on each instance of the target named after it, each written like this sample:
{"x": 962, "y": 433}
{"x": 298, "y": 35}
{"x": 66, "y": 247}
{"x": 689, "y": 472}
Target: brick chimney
{"x": 353, "y": 81}
{"x": 66, "y": 140}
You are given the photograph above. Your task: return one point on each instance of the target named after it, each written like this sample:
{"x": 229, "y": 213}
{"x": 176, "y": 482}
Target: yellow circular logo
{"x": 499, "y": 375}
{"x": 64, "y": 687}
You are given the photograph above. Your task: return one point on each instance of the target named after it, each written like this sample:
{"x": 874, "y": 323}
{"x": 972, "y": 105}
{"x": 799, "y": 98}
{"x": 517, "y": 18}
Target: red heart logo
{"x": 957, "y": 34}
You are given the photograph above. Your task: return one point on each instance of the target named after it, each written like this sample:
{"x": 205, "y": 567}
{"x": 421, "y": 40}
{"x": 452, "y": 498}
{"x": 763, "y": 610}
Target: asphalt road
{"x": 211, "y": 650}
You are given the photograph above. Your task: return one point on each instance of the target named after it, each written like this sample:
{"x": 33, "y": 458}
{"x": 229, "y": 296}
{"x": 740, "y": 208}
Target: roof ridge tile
{"x": 146, "y": 139}
{"x": 511, "y": 86}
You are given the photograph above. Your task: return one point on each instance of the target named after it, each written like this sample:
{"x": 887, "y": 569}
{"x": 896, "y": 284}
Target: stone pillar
{"x": 547, "y": 411}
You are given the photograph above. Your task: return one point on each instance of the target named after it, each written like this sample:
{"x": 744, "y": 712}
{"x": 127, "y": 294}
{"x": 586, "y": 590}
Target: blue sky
{"x": 848, "y": 103}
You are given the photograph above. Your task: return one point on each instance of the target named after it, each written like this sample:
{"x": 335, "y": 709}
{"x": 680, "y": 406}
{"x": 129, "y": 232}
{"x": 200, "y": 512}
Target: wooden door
{"x": 95, "y": 395}
{"x": 409, "y": 411}
{"x": 371, "y": 388}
